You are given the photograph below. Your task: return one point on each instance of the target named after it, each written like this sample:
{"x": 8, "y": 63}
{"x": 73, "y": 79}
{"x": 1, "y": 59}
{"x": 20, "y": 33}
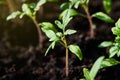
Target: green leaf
{"x": 70, "y": 31}
{"x": 76, "y": 50}
{"x": 118, "y": 54}
{"x": 77, "y": 4}
{"x": 113, "y": 50}
{"x": 52, "y": 45}
{"x": 65, "y": 5}
{"x": 109, "y": 62}
{"x": 86, "y": 74}
{"x": 58, "y": 23}
{"x": 32, "y": 5}
{"x": 117, "y": 24}
{"x": 106, "y": 44}
{"x": 26, "y": 10}
{"x": 47, "y": 26}
{"x": 95, "y": 68}
{"x": 116, "y": 31}
{"x": 21, "y": 15}
{"x": 66, "y": 19}
{"x": 72, "y": 13}
{"x": 107, "y": 5}
{"x": 13, "y": 15}
{"x": 41, "y": 2}
{"x": 50, "y": 34}
{"x": 102, "y": 16}
{"x": 59, "y": 34}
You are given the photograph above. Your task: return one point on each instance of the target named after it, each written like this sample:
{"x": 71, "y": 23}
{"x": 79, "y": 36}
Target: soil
{"x": 20, "y": 60}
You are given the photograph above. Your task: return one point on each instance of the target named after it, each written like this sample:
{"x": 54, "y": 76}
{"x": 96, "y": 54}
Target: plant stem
{"x": 66, "y": 65}
{"x": 40, "y": 35}
{"x": 92, "y": 34}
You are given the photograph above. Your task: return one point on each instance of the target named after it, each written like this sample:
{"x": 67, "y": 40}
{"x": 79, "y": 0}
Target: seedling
{"x": 85, "y": 5}
{"x": 99, "y": 63}
{"x": 114, "y": 46}
{"x": 60, "y": 37}
{"x": 30, "y": 10}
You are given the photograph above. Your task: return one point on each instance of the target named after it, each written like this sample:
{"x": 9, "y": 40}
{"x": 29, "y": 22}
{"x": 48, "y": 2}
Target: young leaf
{"x": 52, "y": 45}
{"x": 109, "y": 62}
{"x": 26, "y": 10}
{"x": 102, "y": 16}
{"x": 65, "y": 6}
{"x": 13, "y": 15}
{"x": 77, "y": 4}
{"x": 116, "y": 31}
{"x": 76, "y": 50}
{"x": 70, "y": 31}
{"x": 107, "y": 5}
{"x": 47, "y": 26}
{"x": 117, "y": 24}
{"x": 50, "y": 34}
{"x": 58, "y": 23}
{"x": 106, "y": 44}
{"x": 41, "y": 2}
{"x": 86, "y": 74}
{"x": 66, "y": 19}
{"x": 59, "y": 34}
{"x": 72, "y": 13}
{"x": 95, "y": 68}
{"x": 113, "y": 50}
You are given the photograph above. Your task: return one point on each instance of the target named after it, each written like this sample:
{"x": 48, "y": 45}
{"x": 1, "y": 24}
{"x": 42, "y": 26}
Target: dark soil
{"x": 19, "y": 59}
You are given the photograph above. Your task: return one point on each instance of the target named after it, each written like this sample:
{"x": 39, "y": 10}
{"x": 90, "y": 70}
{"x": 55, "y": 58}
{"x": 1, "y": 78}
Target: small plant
{"x": 114, "y": 46}
{"x": 85, "y": 4}
{"x": 30, "y": 10}
{"x": 99, "y": 63}
{"x": 60, "y": 37}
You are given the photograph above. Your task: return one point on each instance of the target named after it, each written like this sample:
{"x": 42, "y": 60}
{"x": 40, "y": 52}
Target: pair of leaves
{"x": 90, "y": 75}
{"x": 102, "y": 16}
{"x": 99, "y": 63}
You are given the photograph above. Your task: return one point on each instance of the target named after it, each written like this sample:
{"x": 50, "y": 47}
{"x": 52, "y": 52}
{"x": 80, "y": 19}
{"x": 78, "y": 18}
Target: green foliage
{"x": 102, "y": 16}
{"x": 69, "y": 32}
{"x": 99, "y": 63}
{"x": 90, "y": 75}
{"x": 106, "y": 44}
{"x": 72, "y": 13}
{"x": 55, "y": 36}
{"x": 109, "y": 62}
{"x": 76, "y": 50}
{"x": 107, "y": 5}
{"x": 14, "y": 15}
{"x": 115, "y": 49}
{"x": 114, "y": 46}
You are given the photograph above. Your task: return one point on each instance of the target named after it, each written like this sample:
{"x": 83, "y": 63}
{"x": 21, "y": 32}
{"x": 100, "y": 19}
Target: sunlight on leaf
{"x": 102, "y": 16}
{"x": 106, "y": 44}
{"x": 70, "y": 31}
{"x": 13, "y": 15}
{"x": 95, "y": 68}
{"x": 76, "y": 50}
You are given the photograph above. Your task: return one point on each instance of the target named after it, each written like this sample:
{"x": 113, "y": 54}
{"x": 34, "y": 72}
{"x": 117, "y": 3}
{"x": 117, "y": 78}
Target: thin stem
{"x": 66, "y": 65}
{"x": 40, "y": 35}
{"x": 67, "y": 68}
{"x": 90, "y": 21}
